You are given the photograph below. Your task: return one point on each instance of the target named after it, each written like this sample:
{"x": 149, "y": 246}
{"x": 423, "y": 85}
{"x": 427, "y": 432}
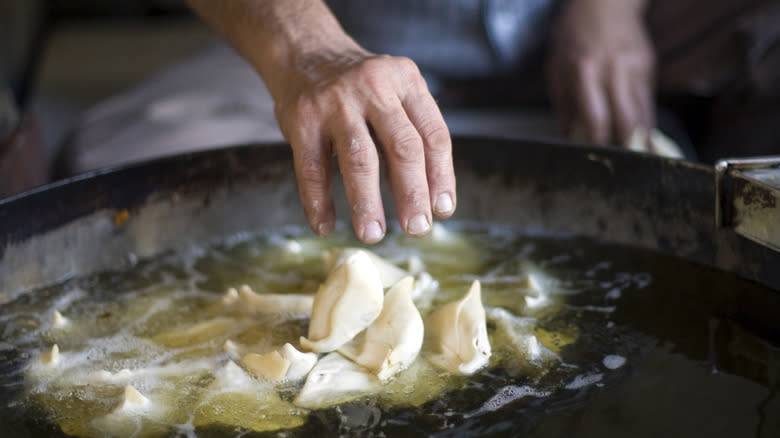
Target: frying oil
{"x": 588, "y": 339}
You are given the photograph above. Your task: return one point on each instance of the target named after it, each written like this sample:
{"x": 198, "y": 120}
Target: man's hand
{"x": 357, "y": 105}
{"x": 600, "y": 71}
{"x": 334, "y": 97}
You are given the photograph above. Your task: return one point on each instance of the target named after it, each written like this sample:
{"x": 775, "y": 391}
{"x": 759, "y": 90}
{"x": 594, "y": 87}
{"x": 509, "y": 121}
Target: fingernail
{"x": 372, "y": 232}
{"x": 418, "y": 225}
{"x": 325, "y": 228}
{"x": 443, "y": 204}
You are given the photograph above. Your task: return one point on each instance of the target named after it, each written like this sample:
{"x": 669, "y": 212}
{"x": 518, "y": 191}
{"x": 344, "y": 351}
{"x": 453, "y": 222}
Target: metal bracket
{"x": 747, "y": 198}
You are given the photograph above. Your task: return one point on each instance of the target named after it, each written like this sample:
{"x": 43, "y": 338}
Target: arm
{"x": 601, "y": 69}
{"x": 333, "y": 96}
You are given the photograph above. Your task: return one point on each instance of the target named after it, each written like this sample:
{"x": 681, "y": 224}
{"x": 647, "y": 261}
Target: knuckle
{"x": 443, "y": 175}
{"x": 406, "y": 147}
{"x": 378, "y": 71}
{"x": 373, "y": 69}
{"x": 302, "y": 108}
{"x": 312, "y": 171}
{"x": 360, "y": 160}
{"x": 338, "y": 103}
{"x": 407, "y": 66}
{"x": 436, "y": 134}
{"x": 417, "y": 81}
{"x": 410, "y": 72}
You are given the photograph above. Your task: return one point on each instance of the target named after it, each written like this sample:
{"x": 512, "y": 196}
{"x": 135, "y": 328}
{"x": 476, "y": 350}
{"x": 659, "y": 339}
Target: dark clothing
{"x": 718, "y": 61}
{"x": 451, "y": 38}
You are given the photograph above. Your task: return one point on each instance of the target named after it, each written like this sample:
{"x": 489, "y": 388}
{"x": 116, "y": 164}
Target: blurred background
{"x": 61, "y": 57}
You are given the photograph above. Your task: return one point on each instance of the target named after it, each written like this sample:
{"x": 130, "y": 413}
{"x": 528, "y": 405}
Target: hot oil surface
{"x": 646, "y": 345}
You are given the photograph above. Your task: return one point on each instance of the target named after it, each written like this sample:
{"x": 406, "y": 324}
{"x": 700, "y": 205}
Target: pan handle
{"x": 747, "y": 198}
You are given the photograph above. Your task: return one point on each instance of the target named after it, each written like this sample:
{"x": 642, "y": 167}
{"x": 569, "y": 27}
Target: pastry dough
{"x": 59, "y": 321}
{"x": 248, "y": 301}
{"x": 348, "y": 302}
{"x": 52, "y": 357}
{"x": 300, "y": 363}
{"x": 516, "y": 336}
{"x": 393, "y": 340}
{"x": 389, "y": 274}
{"x": 270, "y": 366}
{"x": 286, "y": 363}
{"x": 334, "y": 380}
{"x": 456, "y": 335}
{"x": 133, "y": 401}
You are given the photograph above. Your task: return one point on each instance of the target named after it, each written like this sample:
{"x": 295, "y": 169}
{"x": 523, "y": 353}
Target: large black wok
{"x": 69, "y": 228}
{"x": 66, "y": 228}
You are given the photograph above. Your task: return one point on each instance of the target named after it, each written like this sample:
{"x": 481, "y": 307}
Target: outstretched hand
{"x": 600, "y": 71}
{"x": 334, "y": 97}
{"x": 359, "y": 106}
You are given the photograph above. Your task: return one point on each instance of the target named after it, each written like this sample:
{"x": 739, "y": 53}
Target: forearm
{"x": 276, "y": 36}
{"x": 333, "y": 96}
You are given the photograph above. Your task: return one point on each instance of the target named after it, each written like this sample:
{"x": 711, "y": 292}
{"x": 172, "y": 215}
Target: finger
{"x": 359, "y": 164}
{"x": 313, "y": 171}
{"x": 560, "y": 96}
{"x": 625, "y": 111}
{"x": 591, "y": 102}
{"x": 403, "y": 151}
{"x": 643, "y": 95}
{"x": 428, "y": 121}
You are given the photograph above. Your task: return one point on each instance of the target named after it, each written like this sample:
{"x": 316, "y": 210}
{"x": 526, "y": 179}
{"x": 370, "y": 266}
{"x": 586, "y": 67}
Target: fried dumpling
{"x": 51, "y": 357}
{"x": 270, "y": 366}
{"x": 59, "y": 321}
{"x": 393, "y": 340}
{"x": 334, "y": 380}
{"x": 348, "y": 302}
{"x": 424, "y": 290}
{"x": 515, "y": 336}
{"x": 389, "y": 273}
{"x": 300, "y": 363}
{"x": 136, "y": 415}
{"x": 456, "y": 335}
{"x": 249, "y": 301}
{"x": 133, "y": 401}
{"x": 285, "y": 363}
